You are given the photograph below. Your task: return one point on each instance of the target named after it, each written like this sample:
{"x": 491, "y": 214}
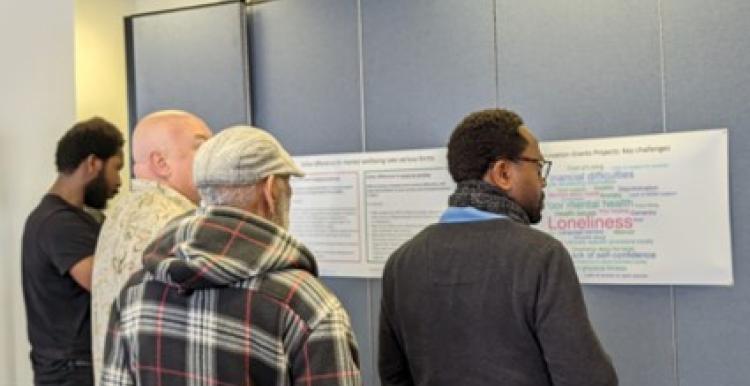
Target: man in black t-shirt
{"x": 58, "y": 246}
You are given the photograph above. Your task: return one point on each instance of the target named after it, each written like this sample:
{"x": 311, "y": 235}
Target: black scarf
{"x": 487, "y": 197}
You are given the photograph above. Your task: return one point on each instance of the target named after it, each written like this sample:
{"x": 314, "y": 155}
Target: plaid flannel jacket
{"x": 227, "y": 298}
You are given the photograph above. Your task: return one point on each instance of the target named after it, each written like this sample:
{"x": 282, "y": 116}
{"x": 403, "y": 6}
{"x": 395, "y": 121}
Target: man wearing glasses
{"x": 481, "y": 298}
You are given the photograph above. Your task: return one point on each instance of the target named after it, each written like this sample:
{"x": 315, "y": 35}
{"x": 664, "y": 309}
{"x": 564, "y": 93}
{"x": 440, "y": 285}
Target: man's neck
{"x": 69, "y": 189}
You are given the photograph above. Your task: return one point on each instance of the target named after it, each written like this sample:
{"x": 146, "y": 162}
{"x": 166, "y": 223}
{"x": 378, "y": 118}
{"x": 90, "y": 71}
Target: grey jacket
{"x": 490, "y": 302}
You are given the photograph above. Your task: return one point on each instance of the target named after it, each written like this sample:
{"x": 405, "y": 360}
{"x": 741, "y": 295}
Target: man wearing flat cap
{"x": 226, "y": 296}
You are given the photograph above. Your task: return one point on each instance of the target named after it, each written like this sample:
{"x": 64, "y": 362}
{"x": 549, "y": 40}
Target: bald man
{"x": 164, "y": 145}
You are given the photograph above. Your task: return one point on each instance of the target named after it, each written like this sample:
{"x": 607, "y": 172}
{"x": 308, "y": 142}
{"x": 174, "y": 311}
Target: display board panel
{"x": 651, "y": 209}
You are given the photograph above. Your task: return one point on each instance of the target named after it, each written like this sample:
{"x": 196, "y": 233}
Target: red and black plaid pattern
{"x": 227, "y": 298}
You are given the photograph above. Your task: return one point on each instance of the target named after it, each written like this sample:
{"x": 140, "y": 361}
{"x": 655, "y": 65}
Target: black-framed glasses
{"x": 544, "y": 165}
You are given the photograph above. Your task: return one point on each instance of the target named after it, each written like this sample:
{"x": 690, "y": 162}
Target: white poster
{"x": 649, "y": 209}
{"x": 353, "y": 210}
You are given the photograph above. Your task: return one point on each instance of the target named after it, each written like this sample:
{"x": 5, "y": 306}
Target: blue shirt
{"x": 455, "y": 214}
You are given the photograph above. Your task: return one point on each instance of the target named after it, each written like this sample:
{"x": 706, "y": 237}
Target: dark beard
{"x": 534, "y": 217}
{"x": 97, "y": 192}
{"x": 535, "y": 214}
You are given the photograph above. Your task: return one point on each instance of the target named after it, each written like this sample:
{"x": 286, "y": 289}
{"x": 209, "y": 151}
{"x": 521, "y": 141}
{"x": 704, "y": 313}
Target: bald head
{"x": 164, "y": 145}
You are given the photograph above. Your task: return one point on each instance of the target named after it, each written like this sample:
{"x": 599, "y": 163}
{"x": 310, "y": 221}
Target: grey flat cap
{"x": 241, "y": 155}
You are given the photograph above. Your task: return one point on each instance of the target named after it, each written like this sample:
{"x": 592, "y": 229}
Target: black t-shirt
{"x": 56, "y": 237}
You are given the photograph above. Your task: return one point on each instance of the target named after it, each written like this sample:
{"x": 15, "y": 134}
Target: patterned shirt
{"x": 132, "y": 222}
{"x": 227, "y": 298}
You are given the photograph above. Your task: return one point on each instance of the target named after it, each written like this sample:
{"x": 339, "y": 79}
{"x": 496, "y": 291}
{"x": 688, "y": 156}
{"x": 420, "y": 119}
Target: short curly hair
{"x": 480, "y": 139}
{"x": 93, "y": 136}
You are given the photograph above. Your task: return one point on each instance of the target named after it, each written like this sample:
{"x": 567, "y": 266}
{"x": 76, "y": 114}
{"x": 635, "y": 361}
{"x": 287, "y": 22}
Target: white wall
{"x": 100, "y": 65}
{"x": 37, "y": 104}
{"x": 62, "y": 60}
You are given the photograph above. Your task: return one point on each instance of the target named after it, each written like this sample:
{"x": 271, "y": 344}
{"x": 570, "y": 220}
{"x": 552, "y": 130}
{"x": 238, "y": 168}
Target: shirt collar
{"x": 140, "y": 185}
{"x": 455, "y": 214}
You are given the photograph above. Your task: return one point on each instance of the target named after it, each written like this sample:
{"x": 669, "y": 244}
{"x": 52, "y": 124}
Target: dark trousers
{"x": 62, "y": 372}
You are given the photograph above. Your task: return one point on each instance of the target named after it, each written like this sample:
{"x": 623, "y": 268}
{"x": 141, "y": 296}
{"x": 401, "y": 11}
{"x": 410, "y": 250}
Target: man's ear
{"x": 159, "y": 165}
{"x": 269, "y": 194}
{"x": 92, "y": 165}
{"x": 500, "y": 174}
